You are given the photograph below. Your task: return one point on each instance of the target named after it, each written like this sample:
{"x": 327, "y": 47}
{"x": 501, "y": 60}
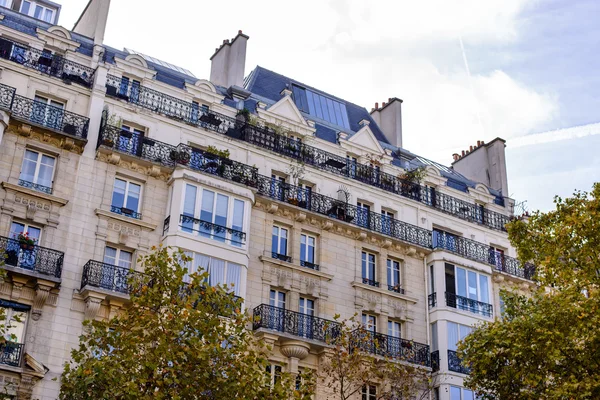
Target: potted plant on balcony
{"x": 411, "y": 179}
{"x": 25, "y": 241}
{"x": 180, "y": 157}
{"x": 296, "y": 172}
{"x": 108, "y": 142}
{"x": 243, "y": 115}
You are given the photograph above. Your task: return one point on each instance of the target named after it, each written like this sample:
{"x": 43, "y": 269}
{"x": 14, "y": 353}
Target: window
{"x": 467, "y": 290}
{"x": 22, "y": 255}
{"x": 5, "y": 3}
{"x": 126, "y": 198}
{"x": 307, "y": 250}
{"x": 306, "y": 308}
{"x": 274, "y": 371}
{"x": 444, "y": 240}
{"x": 15, "y": 322}
{"x": 394, "y": 329}
{"x": 393, "y": 276}
{"x": 277, "y": 303}
{"x": 37, "y": 11}
{"x": 457, "y": 393}
{"x": 116, "y": 278}
{"x": 434, "y": 337}
{"x": 497, "y": 257}
{"x": 368, "y": 269}
{"x": 278, "y": 187}
{"x": 456, "y": 333}
{"x": 130, "y": 140}
{"x": 33, "y": 232}
{"x": 369, "y": 392}
{"x": 279, "y": 243}
{"x": 320, "y": 106}
{"x": 277, "y": 298}
{"x": 220, "y": 272}
{"x": 363, "y": 215}
{"x": 387, "y": 219}
{"x": 37, "y": 171}
{"x": 351, "y": 161}
{"x": 118, "y": 257}
{"x": 129, "y": 91}
{"x": 369, "y": 322}
{"x": 213, "y": 215}
{"x": 47, "y": 112}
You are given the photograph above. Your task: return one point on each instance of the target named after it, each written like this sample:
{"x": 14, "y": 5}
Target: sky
{"x": 467, "y": 70}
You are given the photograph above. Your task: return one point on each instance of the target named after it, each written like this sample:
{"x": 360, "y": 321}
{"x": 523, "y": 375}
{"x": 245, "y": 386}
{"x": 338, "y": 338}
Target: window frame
{"x": 31, "y": 12}
{"x": 191, "y": 268}
{"x": 369, "y": 322}
{"x": 38, "y": 164}
{"x": 369, "y": 392}
{"x": 390, "y": 272}
{"x": 304, "y": 256}
{"x": 280, "y": 254}
{"x": 478, "y": 284}
{"x": 128, "y": 183}
{"x": 26, "y": 228}
{"x": 275, "y": 299}
{"x": 368, "y": 267}
{"x": 396, "y": 328}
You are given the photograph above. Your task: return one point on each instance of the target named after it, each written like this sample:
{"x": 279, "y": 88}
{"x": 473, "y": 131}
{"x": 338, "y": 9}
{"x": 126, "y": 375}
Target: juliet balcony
{"x": 455, "y": 363}
{"x": 212, "y": 230}
{"x": 483, "y": 253}
{"x": 45, "y": 62}
{"x": 31, "y": 259}
{"x": 107, "y": 277}
{"x": 470, "y": 305}
{"x": 11, "y": 353}
{"x": 391, "y": 347}
{"x": 191, "y": 114}
{"x": 295, "y": 324}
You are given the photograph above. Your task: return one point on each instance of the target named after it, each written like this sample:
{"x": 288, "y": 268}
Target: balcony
{"x": 35, "y": 186}
{"x": 470, "y": 305}
{"x": 432, "y": 300}
{"x": 483, "y": 253}
{"x": 50, "y": 117}
{"x": 32, "y": 258}
{"x": 396, "y": 289}
{"x": 455, "y": 365}
{"x": 308, "y": 264}
{"x": 435, "y": 361}
{"x": 105, "y": 276}
{"x": 370, "y": 282}
{"x": 390, "y": 346}
{"x": 294, "y": 323}
{"x": 126, "y": 212}
{"x": 11, "y": 353}
{"x": 282, "y": 257}
{"x": 211, "y": 230}
{"x": 7, "y": 93}
{"x": 47, "y": 63}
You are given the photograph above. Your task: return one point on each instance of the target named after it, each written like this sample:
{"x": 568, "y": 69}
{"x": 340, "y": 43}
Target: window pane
{"x": 125, "y": 259}
{"x": 454, "y": 393}
{"x": 29, "y": 165}
{"x": 133, "y": 197}
{"x": 484, "y": 295}
{"x": 48, "y": 16}
{"x": 318, "y": 109}
{"x": 189, "y": 207}
{"x": 25, "y": 7}
{"x": 34, "y": 233}
{"x": 110, "y": 255}
{"x": 38, "y": 12}
{"x": 283, "y": 242}
{"x": 303, "y": 248}
{"x": 464, "y": 331}
{"x": 217, "y": 272}
{"x": 234, "y": 272}
{"x": 311, "y": 249}
{"x": 118, "y": 199}
{"x": 275, "y": 240}
{"x": 238, "y": 221}
{"x": 206, "y": 213}
{"x": 311, "y": 103}
{"x": 331, "y": 111}
{"x": 467, "y": 394}
{"x": 46, "y": 171}
{"x": 434, "y": 337}
{"x": 15, "y": 229}
{"x": 461, "y": 284}
{"x": 472, "y": 285}
{"x": 452, "y": 335}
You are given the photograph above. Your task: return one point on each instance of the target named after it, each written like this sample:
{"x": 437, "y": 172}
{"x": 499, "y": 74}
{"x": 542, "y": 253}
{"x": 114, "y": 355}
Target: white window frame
{"x": 394, "y": 329}
{"x": 390, "y": 266}
{"x": 8, "y": 3}
{"x": 303, "y": 306}
{"x": 231, "y": 200}
{"x": 460, "y": 330}
{"x": 128, "y": 182}
{"x": 275, "y": 370}
{"x": 275, "y": 298}
{"x": 38, "y": 163}
{"x": 26, "y": 227}
{"x": 192, "y": 268}
{"x": 462, "y": 392}
{"x": 369, "y": 322}
{"x": 32, "y": 7}
{"x": 287, "y": 241}
{"x": 306, "y": 237}
{"x": 9, "y": 314}
{"x": 478, "y": 281}
{"x": 365, "y": 261}
{"x": 369, "y": 392}
{"x": 118, "y": 257}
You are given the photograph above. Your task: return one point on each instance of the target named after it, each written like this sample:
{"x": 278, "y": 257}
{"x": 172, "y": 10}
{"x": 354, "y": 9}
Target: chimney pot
{"x": 377, "y": 106}
{"x": 455, "y": 156}
{"x": 470, "y": 148}
{"x": 383, "y": 104}
{"x": 389, "y": 99}
{"x": 463, "y": 153}
{"x": 240, "y": 32}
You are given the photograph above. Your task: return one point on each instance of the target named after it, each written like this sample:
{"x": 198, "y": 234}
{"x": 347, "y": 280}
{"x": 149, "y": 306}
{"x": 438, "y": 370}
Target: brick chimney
{"x": 389, "y": 120}
{"x": 229, "y": 61}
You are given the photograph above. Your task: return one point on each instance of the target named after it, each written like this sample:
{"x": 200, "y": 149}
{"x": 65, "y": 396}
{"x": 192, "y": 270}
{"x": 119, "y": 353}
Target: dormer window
{"x": 320, "y": 106}
{"x": 35, "y": 9}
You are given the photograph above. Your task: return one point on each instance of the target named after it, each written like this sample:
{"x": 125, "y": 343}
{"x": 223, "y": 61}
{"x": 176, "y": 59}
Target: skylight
{"x": 160, "y": 62}
{"x": 434, "y": 164}
{"x": 320, "y": 106}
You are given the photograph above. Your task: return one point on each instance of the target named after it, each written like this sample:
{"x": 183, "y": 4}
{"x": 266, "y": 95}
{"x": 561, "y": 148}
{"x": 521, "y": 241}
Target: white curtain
{"x": 452, "y": 335}
{"x": 201, "y": 263}
{"x": 217, "y": 272}
{"x": 234, "y": 272}
{"x": 464, "y": 331}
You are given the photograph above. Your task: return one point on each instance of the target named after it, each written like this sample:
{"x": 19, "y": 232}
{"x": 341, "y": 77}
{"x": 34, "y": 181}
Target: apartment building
{"x": 302, "y": 200}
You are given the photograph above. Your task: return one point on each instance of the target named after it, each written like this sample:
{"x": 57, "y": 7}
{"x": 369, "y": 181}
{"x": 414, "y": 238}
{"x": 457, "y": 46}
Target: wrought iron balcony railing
{"x": 212, "y": 230}
{"x": 390, "y": 346}
{"x": 11, "y": 353}
{"x": 32, "y": 257}
{"x": 35, "y": 186}
{"x": 190, "y": 113}
{"x": 106, "y": 276}
{"x": 7, "y": 93}
{"x": 370, "y": 282}
{"x": 126, "y": 212}
{"x": 282, "y": 257}
{"x": 396, "y": 289}
{"x": 308, "y": 264}
{"x": 466, "y": 304}
{"x": 294, "y": 323}
{"x": 481, "y": 252}
{"x": 435, "y": 360}
{"x": 455, "y": 364}
{"x": 166, "y": 224}
{"x": 50, "y": 117}
{"x": 432, "y": 300}
{"x": 47, "y": 63}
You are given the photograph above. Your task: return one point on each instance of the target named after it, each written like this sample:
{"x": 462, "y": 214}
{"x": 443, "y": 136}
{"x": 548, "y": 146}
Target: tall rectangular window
{"x": 37, "y": 171}
{"x": 279, "y": 241}
{"x": 387, "y": 220}
{"x": 394, "y": 329}
{"x": 368, "y": 269}
{"x": 118, "y": 257}
{"x": 393, "y": 275}
{"x": 277, "y": 298}
{"x": 307, "y": 250}
{"x": 456, "y": 333}
{"x": 363, "y": 214}
{"x": 220, "y": 272}
{"x": 237, "y": 222}
{"x": 369, "y": 392}
{"x": 369, "y": 322}
{"x": 126, "y": 198}
{"x": 189, "y": 208}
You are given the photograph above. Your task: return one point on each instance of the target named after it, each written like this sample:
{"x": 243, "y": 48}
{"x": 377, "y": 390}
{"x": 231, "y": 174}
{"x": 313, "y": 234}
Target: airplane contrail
{"x": 464, "y": 55}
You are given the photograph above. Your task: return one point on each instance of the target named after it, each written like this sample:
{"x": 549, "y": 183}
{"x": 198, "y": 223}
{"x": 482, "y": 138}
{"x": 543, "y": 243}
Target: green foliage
{"x": 414, "y": 175}
{"x": 175, "y": 341}
{"x": 217, "y": 152}
{"x": 548, "y": 344}
{"x": 344, "y": 368}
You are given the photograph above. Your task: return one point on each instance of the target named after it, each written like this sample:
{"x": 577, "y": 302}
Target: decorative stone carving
{"x": 67, "y": 144}
{"x": 114, "y": 158}
{"x": 17, "y": 289}
{"x": 327, "y": 225}
{"x": 25, "y": 389}
{"x": 272, "y": 208}
{"x": 25, "y": 130}
{"x": 154, "y": 171}
{"x": 30, "y": 211}
{"x": 92, "y": 305}
{"x": 386, "y": 243}
{"x": 362, "y": 236}
{"x": 295, "y": 349}
{"x": 42, "y": 291}
{"x": 300, "y": 217}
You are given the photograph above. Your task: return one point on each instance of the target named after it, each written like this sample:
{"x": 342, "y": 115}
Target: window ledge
{"x": 128, "y": 220}
{"x": 385, "y": 292}
{"x": 49, "y": 197}
{"x": 296, "y": 267}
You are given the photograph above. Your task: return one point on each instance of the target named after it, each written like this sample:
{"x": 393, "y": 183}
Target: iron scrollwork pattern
{"x": 435, "y": 360}
{"x": 10, "y": 353}
{"x": 390, "y": 346}
{"x": 32, "y": 257}
{"x": 7, "y": 93}
{"x": 455, "y": 363}
{"x": 471, "y": 305}
{"x": 294, "y": 323}
{"x": 35, "y": 186}
{"x": 50, "y": 116}
{"x": 432, "y": 300}
{"x": 126, "y": 212}
{"x": 106, "y": 276}
{"x": 212, "y": 230}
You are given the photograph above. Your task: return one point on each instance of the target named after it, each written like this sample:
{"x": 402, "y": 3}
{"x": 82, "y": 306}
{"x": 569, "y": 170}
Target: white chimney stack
{"x": 389, "y": 120}
{"x": 229, "y": 61}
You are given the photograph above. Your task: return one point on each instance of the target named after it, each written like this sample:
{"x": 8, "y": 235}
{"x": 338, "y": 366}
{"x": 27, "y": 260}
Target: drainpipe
{"x": 428, "y": 329}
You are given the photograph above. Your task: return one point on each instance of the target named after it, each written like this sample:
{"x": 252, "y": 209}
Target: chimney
{"x": 455, "y": 156}
{"x": 92, "y": 21}
{"x": 229, "y": 61}
{"x": 389, "y": 120}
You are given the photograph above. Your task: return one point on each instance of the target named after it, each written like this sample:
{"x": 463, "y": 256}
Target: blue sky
{"x": 530, "y": 70}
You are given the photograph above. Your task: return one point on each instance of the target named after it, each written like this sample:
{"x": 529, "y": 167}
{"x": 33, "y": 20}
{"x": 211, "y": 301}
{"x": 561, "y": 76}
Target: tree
{"x": 547, "y": 346}
{"x": 177, "y": 340}
{"x": 348, "y": 365}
